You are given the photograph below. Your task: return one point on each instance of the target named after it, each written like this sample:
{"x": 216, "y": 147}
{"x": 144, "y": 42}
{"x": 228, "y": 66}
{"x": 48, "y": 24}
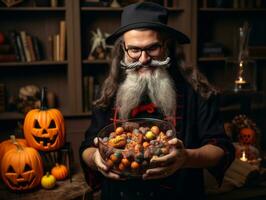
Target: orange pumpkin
{"x": 21, "y": 168}
{"x": 9, "y": 144}
{"x": 44, "y": 128}
{"x": 247, "y": 136}
{"x": 60, "y": 172}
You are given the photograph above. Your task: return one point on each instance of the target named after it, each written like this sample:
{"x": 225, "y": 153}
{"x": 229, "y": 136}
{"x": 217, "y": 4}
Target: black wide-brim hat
{"x": 146, "y": 15}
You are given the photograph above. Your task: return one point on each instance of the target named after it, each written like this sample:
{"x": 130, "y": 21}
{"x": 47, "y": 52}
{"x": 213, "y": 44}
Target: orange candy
{"x": 109, "y": 163}
{"x": 135, "y": 165}
{"x": 113, "y": 158}
{"x": 145, "y": 144}
{"x": 121, "y": 167}
{"x": 119, "y": 130}
{"x": 155, "y": 130}
{"x": 125, "y": 162}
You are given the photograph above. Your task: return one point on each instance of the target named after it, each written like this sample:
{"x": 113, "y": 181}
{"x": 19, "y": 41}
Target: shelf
{"x": 206, "y": 59}
{"x": 231, "y": 10}
{"x": 109, "y": 9}
{"x": 11, "y": 116}
{"x": 37, "y": 63}
{"x": 7, "y": 116}
{"x": 95, "y": 62}
{"x": 33, "y": 9}
{"x": 223, "y": 59}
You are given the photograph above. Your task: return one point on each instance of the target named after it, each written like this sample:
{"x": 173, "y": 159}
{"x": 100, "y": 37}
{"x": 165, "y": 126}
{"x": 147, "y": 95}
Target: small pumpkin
{"x": 44, "y": 128}
{"x": 9, "y": 144}
{"x": 48, "y": 181}
{"x": 247, "y": 136}
{"x": 21, "y": 168}
{"x": 60, "y": 172}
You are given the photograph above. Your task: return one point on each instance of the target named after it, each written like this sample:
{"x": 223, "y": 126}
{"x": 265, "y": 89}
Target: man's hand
{"x": 167, "y": 165}
{"x": 101, "y": 165}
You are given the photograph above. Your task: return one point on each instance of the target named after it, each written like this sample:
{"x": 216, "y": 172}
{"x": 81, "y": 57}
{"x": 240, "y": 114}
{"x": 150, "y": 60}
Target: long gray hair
{"x": 191, "y": 74}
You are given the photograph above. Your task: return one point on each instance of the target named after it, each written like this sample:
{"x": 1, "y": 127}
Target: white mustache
{"x": 153, "y": 63}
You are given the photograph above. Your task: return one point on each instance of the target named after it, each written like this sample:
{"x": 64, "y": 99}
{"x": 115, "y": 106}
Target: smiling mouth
{"x": 45, "y": 141}
{"x": 21, "y": 184}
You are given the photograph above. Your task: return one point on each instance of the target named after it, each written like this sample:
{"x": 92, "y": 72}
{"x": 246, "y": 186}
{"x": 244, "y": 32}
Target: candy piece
{"x": 109, "y": 163}
{"x": 135, "y": 165}
{"x": 119, "y": 130}
{"x": 155, "y": 130}
{"x": 121, "y": 167}
{"x": 112, "y": 135}
{"x": 145, "y": 144}
{"x": 118, "y": 154}
{"x": 139, "y": 157}
{"x": 149, "y": 135}
{"x": 147, "y": 154}
{"x": 117, "y": 142}
{"x": 113, "y": 158}
{"x": 169, "y": 133}
{"x": 136, "y": 131}
{"x": 125, "y": 162}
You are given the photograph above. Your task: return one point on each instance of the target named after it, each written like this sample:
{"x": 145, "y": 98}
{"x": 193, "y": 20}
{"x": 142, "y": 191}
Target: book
{"x": 62, "y": 44}
{"x": 31, "y": 49}
{"x": 5, "y": 48}
{"x": 56, "y": 46}
{"x": 13, "y": 43}
{"x": 36, "y": 48}
{"x": 20, "y": 48}
{"x": 23, "y": 35}
{"x": 2, "y": 98}
{"x": 8, "y": 57}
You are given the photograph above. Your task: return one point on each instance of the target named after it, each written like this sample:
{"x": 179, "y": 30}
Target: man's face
{"x": 143, "y": 46}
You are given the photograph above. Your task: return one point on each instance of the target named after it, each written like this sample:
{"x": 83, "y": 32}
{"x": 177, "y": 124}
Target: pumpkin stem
{"x": 13, "y": 138}
{"x": 44, "y": 105}
{"x": 47, "y": 174}
{"x": 14, "y": 141}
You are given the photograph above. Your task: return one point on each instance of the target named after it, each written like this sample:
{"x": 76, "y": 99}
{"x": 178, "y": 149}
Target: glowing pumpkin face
{"x": 247, "y": 136}
{"x": 44, "y": 129}
{"x": 21, "y": 168}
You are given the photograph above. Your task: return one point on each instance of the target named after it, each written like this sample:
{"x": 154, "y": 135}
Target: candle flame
{"x": 244, "y": 158}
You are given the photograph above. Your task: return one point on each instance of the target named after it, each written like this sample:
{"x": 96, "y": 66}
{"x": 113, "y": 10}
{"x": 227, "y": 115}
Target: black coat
{"x": 198, "y": 123}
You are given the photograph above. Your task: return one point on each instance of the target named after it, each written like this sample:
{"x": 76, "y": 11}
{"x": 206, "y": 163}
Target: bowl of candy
{"x": 127, "y": 147}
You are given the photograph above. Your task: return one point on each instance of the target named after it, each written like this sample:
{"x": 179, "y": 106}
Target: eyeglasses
{"x": 136, "y": 52}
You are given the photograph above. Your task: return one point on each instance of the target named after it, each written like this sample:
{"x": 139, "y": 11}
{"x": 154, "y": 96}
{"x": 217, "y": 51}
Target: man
{"x": 146, "y": 72}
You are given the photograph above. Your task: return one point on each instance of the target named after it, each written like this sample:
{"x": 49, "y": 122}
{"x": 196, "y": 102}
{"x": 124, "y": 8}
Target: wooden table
{"x": 65, "y": 190}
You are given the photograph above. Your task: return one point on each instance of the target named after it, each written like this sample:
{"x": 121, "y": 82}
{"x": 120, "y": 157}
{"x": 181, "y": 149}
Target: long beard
{"x": 158, "y": 85}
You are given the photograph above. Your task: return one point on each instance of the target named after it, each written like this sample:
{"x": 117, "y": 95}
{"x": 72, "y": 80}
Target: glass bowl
{"x": 127, "y": 147}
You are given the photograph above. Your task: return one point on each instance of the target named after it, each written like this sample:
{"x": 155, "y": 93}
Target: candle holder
{"x": 241, "y": 75}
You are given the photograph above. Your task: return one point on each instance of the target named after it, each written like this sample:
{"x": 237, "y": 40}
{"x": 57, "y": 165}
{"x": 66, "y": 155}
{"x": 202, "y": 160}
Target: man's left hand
{"x": 167, "y": 165}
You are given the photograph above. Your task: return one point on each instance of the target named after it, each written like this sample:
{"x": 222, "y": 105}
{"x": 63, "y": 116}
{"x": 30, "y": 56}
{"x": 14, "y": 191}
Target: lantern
{"x": 44, "y": 128}
{"x": 21, "y": 168}
{"x": 247, "y": 136}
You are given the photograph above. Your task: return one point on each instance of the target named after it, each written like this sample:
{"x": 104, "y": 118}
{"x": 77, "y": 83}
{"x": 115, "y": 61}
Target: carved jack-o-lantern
{"x": 44, "y": 128}
{"x": 247, "y": 136}
{"x": 21, "y": 168}
{"x": 9, "y": 144}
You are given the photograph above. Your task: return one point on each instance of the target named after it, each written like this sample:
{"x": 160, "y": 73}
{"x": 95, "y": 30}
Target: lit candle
{"x": 244, "y": 158}
{"x": 240, "y": 81}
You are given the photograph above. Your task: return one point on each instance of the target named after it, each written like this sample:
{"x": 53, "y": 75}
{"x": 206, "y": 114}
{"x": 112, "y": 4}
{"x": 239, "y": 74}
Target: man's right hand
{"x": 93, "y": 159}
